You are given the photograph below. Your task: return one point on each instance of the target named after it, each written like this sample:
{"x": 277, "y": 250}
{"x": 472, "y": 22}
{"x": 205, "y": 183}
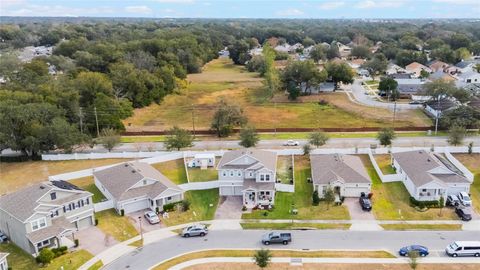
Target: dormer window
{"x": 53, "y": 196}
{"x": 144, "y": 182}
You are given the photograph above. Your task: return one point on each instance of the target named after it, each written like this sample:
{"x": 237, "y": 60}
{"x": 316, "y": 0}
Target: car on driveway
{"x": 365, "y": 202}
{"x": 151, "y": 217}
{"x": 464, "y": 213}
{"x": 291, "y": 143}
{"x": 464, "y": 198}
{"x": 195, "y": 230}
{"x": 422, "y": 251}
{"x": 452, "y": 200}
{"x": 3, "y": 237}
{"x": 276, "y": 238}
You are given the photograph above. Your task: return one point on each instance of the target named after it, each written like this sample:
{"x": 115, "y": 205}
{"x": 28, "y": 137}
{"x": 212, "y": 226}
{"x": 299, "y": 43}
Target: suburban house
{"x": 440, "y": 75}
{"x": 437, "y": 65}
{"x": 135, "y": 186}
{"x": 3, "y": 261}
{"x": 437, "y": 108}
{"x": 356, "y": 63}
{"x": 416, "y": 68}
{"x": 394, "y": 69}
{"x": 468, "y": 77}
{"x": 45, "y": 215}
{"x": 464, "y": 66}
{"x": 429, "y": 176}
{"x": 202, "y": 160}
{"x": 409, "y": 87}
{"x": 345, "y": 174}
{"x": 248, "y": 173}
{"x": 344, "y": 50}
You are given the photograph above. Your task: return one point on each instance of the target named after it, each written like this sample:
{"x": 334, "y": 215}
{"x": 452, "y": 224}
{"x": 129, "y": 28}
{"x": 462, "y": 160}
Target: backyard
{"x": 285, "y": 169}
{"x": 391, "y": 200}
{"x": 87, "y": 183}
{"x": 472, "y": 162}
{"x": 115, "y": 225}
{"x": 173, "y": 170}
{"x": 301, "y": 200}
{"x": 385, "y": 163}
{"x": 221, "y": 79}
{"x": 199, "y": 175}
{"x": 16, "y": 175}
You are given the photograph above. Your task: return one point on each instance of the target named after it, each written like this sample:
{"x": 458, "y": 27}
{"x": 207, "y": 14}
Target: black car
{"x": 3, "y": 237}
{"x": 464, "y": 213}
{"x": 365, "y": 202}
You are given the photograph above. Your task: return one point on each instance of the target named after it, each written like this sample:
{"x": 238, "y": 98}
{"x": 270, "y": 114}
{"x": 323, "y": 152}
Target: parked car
{"x": 464, "y": 213}
{"x": 365, "y": 202}
{"x": 422, "y": 251}
{"x": 464, "y": 198}
{"x": 195, "y": 230}
{"x": 276, "y": 237}
{"x": 151, "y": 217}
{"x": 291, "y": 143}
{"x": 3, "y": 237}
{"x": 452, "y": 200}
{"x": 415, "y": 102}
{"x": 463, "y": 248}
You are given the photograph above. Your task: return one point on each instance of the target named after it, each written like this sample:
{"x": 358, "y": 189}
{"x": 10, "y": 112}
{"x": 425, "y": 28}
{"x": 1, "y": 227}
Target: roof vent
{"x": 42, "y": 187}
{"x": 126, "y": 164}
{"x": 428, "y": 160}
{"x": 133, "y": 171}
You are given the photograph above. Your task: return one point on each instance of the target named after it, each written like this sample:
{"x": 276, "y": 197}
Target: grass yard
{"x": 221, "y": 79}
{"x": 18, "y": 259}
{"x": 16, "y": 175}
{"x": 96, "y": 266}
{"x": 173, "y": 170}
{"x": 384, "y": 162}
{"x": 333, "y": 266}
{"x": 198, "y": 175}
{"x": 422, "y": 227}
{"x": 293, "y": 226}
{"x": 275, "y": 253}
{"x": 472, "y": 162}
{"x": 300, "y": 200}
{"x": 115, "y": 225}
{"x": 70, "y": 261}
{"x": 203, "y": 206}
{"x": 391, "y": 200}
{"x": 87, "y": 183}
{"x": 285, "y": 169}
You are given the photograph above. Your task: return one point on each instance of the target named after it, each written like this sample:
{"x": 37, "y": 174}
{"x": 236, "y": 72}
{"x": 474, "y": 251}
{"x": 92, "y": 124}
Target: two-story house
{"x": 45, "y": 215}
{"x": 248, "y": 173}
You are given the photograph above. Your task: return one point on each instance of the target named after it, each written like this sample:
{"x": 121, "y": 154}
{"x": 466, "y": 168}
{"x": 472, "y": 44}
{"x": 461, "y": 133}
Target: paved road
{"x": 152, "y": 254}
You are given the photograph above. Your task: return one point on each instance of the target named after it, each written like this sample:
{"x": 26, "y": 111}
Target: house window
{"x": 267, "y": 177}
{"x": 424, "y": 190}
{"x": 144, "y": 182}
{"x": 231, "y": 173}
{"x": 43, "y": 243}
{"x": 251, "y": 174}
{"x": 38, "y": 224}
{"x": 54, "y": 213}
{"x": 262, "y": 177}
{"x": 324, "y": 190}
{"x": 239, "y": 173}
{"x": 169, "y": 198}
{"x": 267, "y": 192}
{"x": 53, "y": 196}
{"x": 224, "y": 173}
{"x": 87, "y": 201}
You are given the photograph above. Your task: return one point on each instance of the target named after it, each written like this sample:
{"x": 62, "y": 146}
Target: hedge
{"x": 423, "y": 204}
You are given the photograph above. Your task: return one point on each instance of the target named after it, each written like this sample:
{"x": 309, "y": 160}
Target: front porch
{"x": 431, "y": 194}
{"x": 66, "y": 239}
{"x": 253, "y": 198}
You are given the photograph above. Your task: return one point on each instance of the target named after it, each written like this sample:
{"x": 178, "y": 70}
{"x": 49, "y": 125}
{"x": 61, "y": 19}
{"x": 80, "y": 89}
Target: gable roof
{"x": 438, "y": 65}
{"x": 345, "y": 168}
{"x": 23, "y": 203}
{"x": 120, "y": 179}
{"x": 416, "y": 65}
{"x": 463, "y": 64}
{"x": 423, "y": 168}
{"x": 442, "y": 105}
{"x": 263, "y": 159}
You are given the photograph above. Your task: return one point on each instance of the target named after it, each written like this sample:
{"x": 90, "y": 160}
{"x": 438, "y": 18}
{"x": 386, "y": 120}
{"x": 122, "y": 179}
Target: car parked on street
{"x": 195, "y": 230}
{"x": 463, "y": 248}
{"x": 276, "y": 238}
{"x": 151, "y": 217}
{"x": 464, "y": 213}
{"x": 422, "y": 250}
{"x": 3, "y": 237}
{"x": 464, "y": 198}
{"x": 452, "y": 200}
{"x": 365, "y": 202}
{"x": 291, "y": 143}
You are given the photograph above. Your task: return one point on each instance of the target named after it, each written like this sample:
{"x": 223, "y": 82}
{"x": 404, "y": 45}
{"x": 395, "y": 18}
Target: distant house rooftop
{"x": 441, "y": 105}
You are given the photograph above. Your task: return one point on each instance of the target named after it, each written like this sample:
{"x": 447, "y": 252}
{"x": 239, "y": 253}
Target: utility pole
{"x": 80, "y": 115}
{"x": 436, "y": 116}
{"x": 193, "y": 120}
{"x": 394, "y": 112}
{"x": 96, "y": 120}
{"x": 275, "y": 123}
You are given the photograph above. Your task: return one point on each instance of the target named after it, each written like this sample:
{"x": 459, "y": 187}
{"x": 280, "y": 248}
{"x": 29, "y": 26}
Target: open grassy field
{"x": 300, "y": 200}
{"x": 115, "y": 225}
{"x": 472, "y": 162}
{"x": 222, "y": 79}
{"x": 284, "y": 169}
{"x": 332, "y": 266}
{"x": 391, "y": 200}
{"x": 16, "y": 175}
{"x": 384, "y": 162}
{"x": 173, "y": 170}
{"x": 87, "y": 183}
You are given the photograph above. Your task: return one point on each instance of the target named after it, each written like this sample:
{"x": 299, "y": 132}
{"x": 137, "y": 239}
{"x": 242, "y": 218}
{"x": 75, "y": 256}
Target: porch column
{"x": 255, "y": 197}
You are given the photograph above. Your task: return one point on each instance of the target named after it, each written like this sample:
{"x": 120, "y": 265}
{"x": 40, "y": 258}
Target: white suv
{"x": 291, "y": 143}
{"x": 464, "y": 199}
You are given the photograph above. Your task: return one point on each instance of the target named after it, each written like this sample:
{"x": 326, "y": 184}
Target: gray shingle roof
{"x": 267, "y": 158}
{"x": 59, "y": 225}
{"x": 251, "y": 183}
{"x": 346, "y": 168}
{"x": 417, "y": 165}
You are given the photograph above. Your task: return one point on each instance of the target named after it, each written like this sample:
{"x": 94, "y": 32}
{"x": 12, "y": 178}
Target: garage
{"x": 354, "y": 191}
{"x": 134, "y": 206}
{"x": 84, "y": 223}
{"x": 231, "y": 191}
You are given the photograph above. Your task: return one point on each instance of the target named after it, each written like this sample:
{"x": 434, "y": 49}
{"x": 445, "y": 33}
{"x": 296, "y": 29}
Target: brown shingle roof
{"x": 346, "y": 168}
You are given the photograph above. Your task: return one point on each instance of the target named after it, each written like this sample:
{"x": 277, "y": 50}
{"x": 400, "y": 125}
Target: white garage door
{"x": 238, "y": 191}
{"x": 84, "y": 223}
{"x": 231, "y": 191}
{"x": 456, "y": 190}
{"x": 135, "y": 206}
{"x": 354, "y": 191}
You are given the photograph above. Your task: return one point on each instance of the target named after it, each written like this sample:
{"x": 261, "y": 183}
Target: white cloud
{"x": 8, "y": 3}
{"x": 290, "y": 12}
{"x": 380, "y": 4}
{"x": 331, "y": 5}
{"x": 459, "y": 2}
{"x": 56, "y": 10}
{"x": 138, "y": 9}
{"x": 176, "y": 1}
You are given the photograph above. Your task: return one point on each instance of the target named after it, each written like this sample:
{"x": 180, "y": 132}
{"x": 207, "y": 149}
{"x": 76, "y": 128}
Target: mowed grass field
{"x": 221, "y": 79}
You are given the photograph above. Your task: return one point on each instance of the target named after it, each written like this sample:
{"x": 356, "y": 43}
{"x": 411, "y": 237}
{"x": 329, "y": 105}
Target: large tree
{"x": 361, "y": 51}
{"x": 239, "y": 52}
{"x": 377, "y": 65}
{"x": 464, "y": 116}
{"x": 440, "y": 89}
{"x": 318, "y": 138}
{"x": 304, "y": 74}
{"x": 248, "y": 137}
{"x": 226, "y": 118}
{"x": 178, "y": 138}
{"x": 386, "y": 136}
{"x": 388, "y": 86}
{"x": 340, "y": 73}
{"x": 318, "y": 53}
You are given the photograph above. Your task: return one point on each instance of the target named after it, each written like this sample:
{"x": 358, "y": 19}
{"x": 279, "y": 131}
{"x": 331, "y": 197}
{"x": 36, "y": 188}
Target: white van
{"x": 463, "y": 248}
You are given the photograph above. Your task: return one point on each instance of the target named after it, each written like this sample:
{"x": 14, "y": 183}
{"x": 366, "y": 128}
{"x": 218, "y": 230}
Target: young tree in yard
{"x": 318, "y": 53}
{"x": 248, "y": 137}
{"x": 424, "y": 74}
{"x": 413, "y": 259}
{"x": 456, "y": 134}
{"x": 389, "y": 87}
{"x": 45, "y": 256}
{"x": 377, "y": 65}
{"x": 178, "y": 138}
{"x": 109, "y": 139}
{"x": 226, "y": 117}
{"x": 361, "y": 51}
{"x": 306, "y": 149}
{"x": 329, "y": 196}
{"x": 318, "y": 138}
{"x": 386, "y": 136}
{"x": 262, "y": 258}
{"x": 340, "y": 73}
{"x": 315, "y": 198}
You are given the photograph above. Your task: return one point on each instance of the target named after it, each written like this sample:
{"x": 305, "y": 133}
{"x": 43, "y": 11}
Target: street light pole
{"x": 141, "y": 229}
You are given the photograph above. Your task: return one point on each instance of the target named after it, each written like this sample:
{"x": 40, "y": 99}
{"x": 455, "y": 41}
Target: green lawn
{"x": 422, "y": 227}
{"x": 203, "y": 206}
{"x": 96, "y": 266}
{"x": 173, "y": 170}
{"x": 290, "y": 226}
{"x": 115, "y": 225}
{"x": 87, "y": 183}
{"x": 384, "y": 162}
{"x": 472, "y": 162}
{"x": 70, "y": 261}
{"x": 284, "y": 169}
{"x": 198, "y": 175}
{"x": 18, "y": 259}
{"x": 300, "y": 200}
{"x": 391, "y": 200}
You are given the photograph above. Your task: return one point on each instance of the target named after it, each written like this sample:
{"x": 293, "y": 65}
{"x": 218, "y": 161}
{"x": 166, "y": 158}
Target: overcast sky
{"x": 245, "y": 8}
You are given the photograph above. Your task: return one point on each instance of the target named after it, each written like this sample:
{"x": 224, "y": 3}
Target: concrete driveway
{"x": 230, "y": 207}
{"x": 356, "y": 212}
{"x": 94, "y": 240}
{"x": 146, "y": 226}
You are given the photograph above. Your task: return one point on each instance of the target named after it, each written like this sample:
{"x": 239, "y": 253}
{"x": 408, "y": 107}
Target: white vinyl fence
{"x": 103, "y": 206}
{"x": 200, "y": 185}
{"x": 469, "y": 175}
{"x": 284, "y": 187}
{"x": 385, "y": 178}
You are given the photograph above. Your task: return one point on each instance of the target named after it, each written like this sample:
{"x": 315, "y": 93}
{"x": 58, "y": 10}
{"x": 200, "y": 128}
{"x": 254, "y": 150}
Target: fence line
{"x": 103, "y": 206}
{"x": 284, "y": 187}
{"x": 200, "y": 185}
{"x": 383, "y": 177}
{"x": 469, "y": 175}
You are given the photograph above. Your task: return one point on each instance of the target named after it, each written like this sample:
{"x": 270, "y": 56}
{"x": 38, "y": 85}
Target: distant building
{"x": 202, "y": 160}
{"x": 416, "y": 69}
{"x": 437, "y": 65}
{"x": 437, "y": 108}
{"x": 409, "y": 87}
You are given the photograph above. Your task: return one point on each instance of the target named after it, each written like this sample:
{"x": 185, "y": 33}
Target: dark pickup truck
{"x": 276, "y": 237}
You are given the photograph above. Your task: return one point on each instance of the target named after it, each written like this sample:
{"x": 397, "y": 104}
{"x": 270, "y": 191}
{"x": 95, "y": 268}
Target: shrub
{"x": 157, "y": 210}
{"x": 77, "y": 242}
{"x": 96, "y": 222}
{"x": 244, "y": 208}
{"x": 185, "y": 205}
{"x": 122, "y": 212}
{"x": 169, "y": 207}
{"x": 59, "y": 251}
{"x": 423, "y": 204}
{"x": 315, "y": 198}
{"x": 45, "y": 256}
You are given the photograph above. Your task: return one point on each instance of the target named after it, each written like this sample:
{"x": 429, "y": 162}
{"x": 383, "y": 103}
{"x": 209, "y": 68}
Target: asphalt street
{"x": 150, "y": 255}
